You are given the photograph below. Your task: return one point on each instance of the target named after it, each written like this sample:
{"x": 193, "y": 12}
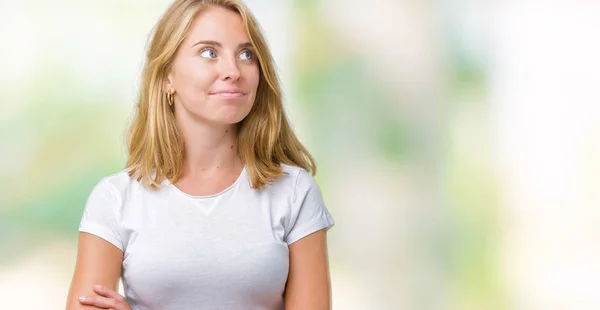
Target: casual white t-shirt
{"x": 224, "y": 251}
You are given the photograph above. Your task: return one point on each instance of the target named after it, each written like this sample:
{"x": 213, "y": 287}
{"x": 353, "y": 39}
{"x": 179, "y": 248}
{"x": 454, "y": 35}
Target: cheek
{"x": 196, "y": 79}
{"x": 255, "y": 77}
{"x": 202, "y": 79}
{"x": 251, "y": 75}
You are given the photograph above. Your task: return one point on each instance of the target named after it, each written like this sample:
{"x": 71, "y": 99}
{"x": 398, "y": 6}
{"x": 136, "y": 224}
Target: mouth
{"x": 228, "y": 94}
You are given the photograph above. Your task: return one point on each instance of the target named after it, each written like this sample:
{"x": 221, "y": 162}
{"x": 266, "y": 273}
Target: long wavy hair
{"x": 155, "y": 143}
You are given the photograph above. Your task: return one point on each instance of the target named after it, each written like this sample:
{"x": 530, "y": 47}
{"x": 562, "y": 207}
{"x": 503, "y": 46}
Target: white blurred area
{"x": 539, "y": 133}
{"x": 545, "y": 80}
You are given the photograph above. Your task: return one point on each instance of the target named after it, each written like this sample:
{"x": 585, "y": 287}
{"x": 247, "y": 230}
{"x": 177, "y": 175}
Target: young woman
{"x": 216, "y": 208}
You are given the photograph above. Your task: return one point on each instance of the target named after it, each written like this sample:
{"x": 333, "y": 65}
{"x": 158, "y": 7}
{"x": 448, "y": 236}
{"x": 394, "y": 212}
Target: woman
{"x": 216, "y": 209}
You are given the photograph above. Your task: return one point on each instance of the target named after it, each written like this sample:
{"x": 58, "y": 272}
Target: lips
{"x": 228, "y": 93}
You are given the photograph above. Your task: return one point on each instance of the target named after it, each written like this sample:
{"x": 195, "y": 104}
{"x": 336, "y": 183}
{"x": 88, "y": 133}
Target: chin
{"x": 229, "y": 119}
{"x": 232, "y": 115}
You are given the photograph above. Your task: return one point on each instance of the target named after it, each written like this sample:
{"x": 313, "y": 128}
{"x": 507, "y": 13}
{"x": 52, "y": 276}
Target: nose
{"x": 229, "y": 69}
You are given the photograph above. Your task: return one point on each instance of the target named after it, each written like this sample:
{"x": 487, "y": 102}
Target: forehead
{"x": 217, "y": 24}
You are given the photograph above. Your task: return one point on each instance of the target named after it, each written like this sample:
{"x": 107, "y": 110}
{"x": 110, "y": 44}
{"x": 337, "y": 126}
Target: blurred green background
{"x": 457, "y": 142}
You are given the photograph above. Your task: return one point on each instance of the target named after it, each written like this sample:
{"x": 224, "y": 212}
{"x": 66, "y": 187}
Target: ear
{"x": 168, "y": 83}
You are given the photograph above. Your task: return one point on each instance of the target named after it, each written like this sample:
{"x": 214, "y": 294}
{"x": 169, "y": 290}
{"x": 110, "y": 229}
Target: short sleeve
{"x": 100, "y": 214}
{"x": 309, "y": 213}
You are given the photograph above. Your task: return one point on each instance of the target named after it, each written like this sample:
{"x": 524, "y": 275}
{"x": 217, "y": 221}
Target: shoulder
{"x": 296, "y": 179}
{"x": 116, "y": 184}
{"x": 291, "y": 174}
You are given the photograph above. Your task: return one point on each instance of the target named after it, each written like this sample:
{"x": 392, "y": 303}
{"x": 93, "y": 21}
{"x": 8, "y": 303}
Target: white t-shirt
{"x": 224, "y": 251}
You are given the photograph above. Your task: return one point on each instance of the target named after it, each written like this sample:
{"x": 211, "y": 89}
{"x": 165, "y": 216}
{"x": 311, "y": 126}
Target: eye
{"x": 247, "y": 55}
{"x": 208, "y": 53}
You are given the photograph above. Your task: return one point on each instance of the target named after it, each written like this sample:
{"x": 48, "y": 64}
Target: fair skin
{"x": 309, "y": 285}
{"x": 214, "y": 79}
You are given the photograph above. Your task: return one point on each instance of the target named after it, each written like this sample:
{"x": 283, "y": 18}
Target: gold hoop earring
{"x": 170, "y": 98}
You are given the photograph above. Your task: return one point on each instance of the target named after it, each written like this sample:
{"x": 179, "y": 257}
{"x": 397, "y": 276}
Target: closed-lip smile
{"x": 228, "y": 93}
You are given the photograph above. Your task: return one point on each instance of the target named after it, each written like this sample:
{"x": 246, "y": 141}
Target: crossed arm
{"x": 99, "y": 262}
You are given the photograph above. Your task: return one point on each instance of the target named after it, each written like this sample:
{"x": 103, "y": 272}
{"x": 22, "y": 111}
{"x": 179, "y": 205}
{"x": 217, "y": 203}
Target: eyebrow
{"x": 217, "y": 44}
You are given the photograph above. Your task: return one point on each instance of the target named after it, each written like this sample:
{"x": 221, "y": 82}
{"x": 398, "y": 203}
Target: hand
{"x": 107, "y": 299}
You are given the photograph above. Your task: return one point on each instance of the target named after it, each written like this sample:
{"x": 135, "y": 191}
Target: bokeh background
{"x": 458, "y": 142}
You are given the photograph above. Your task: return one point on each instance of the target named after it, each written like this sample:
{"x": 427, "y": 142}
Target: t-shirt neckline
{"x": 238, "y": 180}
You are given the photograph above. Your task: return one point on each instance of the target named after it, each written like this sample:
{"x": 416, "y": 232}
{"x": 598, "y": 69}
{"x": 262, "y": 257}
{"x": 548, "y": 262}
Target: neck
{"x": 209, "y": 149}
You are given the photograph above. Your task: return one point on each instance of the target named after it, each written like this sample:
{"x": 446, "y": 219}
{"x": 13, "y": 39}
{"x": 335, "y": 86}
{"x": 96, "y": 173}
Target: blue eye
{"x": 247, "y": 55}
{"x": 208, "y": 53}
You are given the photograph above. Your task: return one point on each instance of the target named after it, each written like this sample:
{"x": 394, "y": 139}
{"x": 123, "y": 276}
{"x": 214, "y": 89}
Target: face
{"x": 215, "y": 73}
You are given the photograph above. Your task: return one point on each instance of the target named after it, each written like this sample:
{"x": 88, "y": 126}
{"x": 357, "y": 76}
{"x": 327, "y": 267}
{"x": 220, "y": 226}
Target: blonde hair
{"x": 265, "y": 139}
